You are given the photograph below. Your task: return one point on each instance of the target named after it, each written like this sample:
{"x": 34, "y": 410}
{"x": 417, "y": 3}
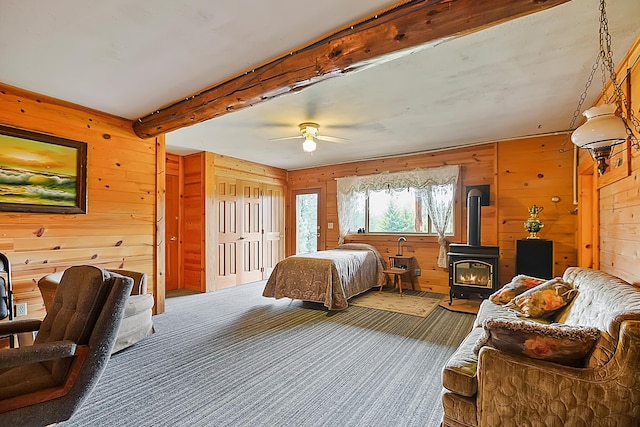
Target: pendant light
{"x": 603, "y": 128}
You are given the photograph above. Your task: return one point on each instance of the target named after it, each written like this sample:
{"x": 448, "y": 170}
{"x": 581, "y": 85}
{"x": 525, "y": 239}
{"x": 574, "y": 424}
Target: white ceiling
{"x": 129, "y": 58}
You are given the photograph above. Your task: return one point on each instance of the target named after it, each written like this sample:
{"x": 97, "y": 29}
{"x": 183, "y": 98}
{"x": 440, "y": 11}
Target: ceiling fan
{"x": 309, "y": 131}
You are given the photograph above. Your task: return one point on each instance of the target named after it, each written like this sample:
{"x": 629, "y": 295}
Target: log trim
{"x": 391, "y": 34}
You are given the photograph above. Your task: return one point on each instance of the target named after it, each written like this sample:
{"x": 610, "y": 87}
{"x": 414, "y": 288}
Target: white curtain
{"x": 438, "y": 203}
{"x": 432, "y": 183}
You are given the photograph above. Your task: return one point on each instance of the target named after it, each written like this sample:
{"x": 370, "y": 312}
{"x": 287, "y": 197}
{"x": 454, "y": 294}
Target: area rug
{"x": 414, "y": 305}
{"x": 469, "y": 306}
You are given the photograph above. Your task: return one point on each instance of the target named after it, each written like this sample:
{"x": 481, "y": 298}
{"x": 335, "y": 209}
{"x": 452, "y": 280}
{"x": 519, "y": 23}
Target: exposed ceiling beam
{"x": 391, "y": 33}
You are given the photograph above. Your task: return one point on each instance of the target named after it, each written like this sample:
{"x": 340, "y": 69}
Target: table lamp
{"x": 400, "y": 240}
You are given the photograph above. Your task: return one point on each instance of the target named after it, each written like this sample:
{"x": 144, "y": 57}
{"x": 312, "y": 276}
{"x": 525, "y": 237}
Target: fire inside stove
{"x": 473, "y": 273}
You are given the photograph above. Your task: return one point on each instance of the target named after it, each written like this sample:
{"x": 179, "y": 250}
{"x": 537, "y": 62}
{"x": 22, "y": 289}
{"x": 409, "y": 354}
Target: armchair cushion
{"x": 544, "y": 299}
{"x": 567, "y": 345}
{"x": 137, "y": 323}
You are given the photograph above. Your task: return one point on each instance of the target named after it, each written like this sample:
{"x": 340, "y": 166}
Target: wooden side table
{"x": 400, "y": 267}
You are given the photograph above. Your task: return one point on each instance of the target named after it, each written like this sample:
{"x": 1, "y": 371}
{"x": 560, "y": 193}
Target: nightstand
{"x": 401, "y": 268}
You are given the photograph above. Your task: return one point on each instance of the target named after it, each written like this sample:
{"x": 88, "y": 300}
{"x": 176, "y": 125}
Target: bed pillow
{"x": 543, "y": 300}
{"x": 518, "y": 285}
{"x": 567, "y": 345}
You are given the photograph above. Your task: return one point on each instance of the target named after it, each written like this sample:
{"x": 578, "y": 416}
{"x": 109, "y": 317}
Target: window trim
{"x": 427, "y": 237}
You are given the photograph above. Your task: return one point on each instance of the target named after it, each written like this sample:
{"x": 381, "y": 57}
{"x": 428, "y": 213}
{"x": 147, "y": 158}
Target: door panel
{"x": 227, "y": 232}
{"x": 172, "y": 228}
{"x": 273, "y": 224}
{"x": 251, "y": 233}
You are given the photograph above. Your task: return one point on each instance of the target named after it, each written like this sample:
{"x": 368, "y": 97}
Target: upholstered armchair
{"x": 47, "y": 382}
{"x": 137, "y": 323}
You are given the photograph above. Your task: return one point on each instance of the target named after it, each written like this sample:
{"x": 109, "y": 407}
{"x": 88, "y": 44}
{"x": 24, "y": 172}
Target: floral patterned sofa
{"x": 497, "y": 378}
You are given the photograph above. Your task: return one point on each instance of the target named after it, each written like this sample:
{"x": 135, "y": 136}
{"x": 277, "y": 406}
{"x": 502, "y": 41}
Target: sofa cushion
{"x": 489, "y": 310}
{"x": 544, "y": 299}
{"x": 518, "y": 285}
{"x": 459, "y": 373}
{"x": 603, "y": 301}
{"x": 568, "y": 345}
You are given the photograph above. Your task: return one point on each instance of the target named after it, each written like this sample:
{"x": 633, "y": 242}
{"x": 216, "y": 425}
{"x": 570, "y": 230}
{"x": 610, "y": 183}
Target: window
{"x": 418, "y": 201}
{"x": 404, "y": 211}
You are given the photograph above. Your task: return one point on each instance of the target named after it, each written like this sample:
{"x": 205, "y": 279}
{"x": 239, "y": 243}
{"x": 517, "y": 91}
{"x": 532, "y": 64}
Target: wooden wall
{"x": 617, "y": 196}
{"x": 119, "y": 229}
{"x": 478, "y": 167}
{"x": 199, "y": 215}
{"x": 506, "y": 166}
{"x": 533, "y": 171}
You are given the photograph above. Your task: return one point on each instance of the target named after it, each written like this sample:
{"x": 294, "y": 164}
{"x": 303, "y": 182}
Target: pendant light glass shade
{"x": 600, "y": 133}
{"x": 602, "y": 129}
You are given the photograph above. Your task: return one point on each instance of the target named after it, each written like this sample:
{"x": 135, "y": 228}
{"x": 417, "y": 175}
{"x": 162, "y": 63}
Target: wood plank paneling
{"x": 119, "y": 228}
{"x": 478, "y": 167}
{"x": 207, "y": 261}
{"x": 515, "y": 184}
{"x": 523, "y": 183}
{"x": 618, "y": 201}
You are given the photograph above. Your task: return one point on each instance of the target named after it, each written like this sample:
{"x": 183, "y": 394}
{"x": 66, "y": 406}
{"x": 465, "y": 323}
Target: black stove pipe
{"x": 473, "y": 217}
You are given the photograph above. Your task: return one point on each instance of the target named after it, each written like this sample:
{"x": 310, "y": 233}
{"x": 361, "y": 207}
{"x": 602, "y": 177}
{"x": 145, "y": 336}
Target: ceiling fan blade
{"x": 285, "y": 138}
{"x": 332, "y": 139}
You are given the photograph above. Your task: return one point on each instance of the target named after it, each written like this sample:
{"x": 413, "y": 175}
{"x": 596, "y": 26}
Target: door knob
{"x": 173, "y": 238}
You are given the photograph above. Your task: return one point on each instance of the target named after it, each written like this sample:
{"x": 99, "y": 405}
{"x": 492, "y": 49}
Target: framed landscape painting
{"x": 42, "y": 173}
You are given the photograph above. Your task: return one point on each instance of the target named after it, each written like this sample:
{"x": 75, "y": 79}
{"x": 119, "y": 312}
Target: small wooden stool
{"x": 397, "y": 274}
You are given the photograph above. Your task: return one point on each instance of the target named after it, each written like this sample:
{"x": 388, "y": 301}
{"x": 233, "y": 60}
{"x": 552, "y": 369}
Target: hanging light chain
{"x": 583, "y": 95}
{"x": 620, "y": 98}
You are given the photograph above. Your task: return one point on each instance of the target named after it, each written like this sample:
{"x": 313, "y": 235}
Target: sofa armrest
{"x": 514, "y": 389}
{"x": 11, "y": 357}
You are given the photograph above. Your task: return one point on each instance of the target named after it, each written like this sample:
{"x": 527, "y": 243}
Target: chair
{"x": 47, "y": 382}
{"x": 137, "y": 323}
{"x": 6, "y": 293}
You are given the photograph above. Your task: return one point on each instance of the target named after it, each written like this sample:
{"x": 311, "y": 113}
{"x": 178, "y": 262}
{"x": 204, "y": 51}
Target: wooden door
{"x": 250, "y": 249}
{"x": 172, "y": 233}
{"x": 273, "y": 223}
{"x": 228, "y": 232}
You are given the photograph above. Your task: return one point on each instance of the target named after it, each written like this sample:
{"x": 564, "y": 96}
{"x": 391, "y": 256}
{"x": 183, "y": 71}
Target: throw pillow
{"x": 568, "y": 345}
{"x": 518, "y": 285}
{"x": 544, "y": 299}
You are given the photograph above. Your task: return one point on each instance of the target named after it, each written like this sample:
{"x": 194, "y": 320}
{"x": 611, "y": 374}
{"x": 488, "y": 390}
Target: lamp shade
{"x": 602, "y": 129}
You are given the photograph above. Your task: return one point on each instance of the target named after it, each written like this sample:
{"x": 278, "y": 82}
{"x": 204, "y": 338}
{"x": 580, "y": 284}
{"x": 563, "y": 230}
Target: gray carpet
{"x": 235, "y": 358}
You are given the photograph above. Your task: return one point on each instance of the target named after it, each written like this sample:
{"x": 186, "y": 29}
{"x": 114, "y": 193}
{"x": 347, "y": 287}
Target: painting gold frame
{"x": 42, "y": 173}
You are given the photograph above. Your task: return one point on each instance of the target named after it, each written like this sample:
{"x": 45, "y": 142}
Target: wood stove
{"x": 473, "y": 269}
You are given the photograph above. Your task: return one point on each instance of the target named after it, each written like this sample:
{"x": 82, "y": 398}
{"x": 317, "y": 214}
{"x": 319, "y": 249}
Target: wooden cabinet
{"x": 534, "y": 257}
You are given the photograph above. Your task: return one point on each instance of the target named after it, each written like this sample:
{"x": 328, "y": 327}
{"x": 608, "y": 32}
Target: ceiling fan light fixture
{"x": 309, "y": 145}
{"x": 309, "y": 129}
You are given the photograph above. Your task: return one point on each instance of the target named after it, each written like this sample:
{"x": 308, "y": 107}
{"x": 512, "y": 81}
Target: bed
{"x": 329, "y": 277}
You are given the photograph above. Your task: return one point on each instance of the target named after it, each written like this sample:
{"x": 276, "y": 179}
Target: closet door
{"x": 273, "y": 223}
{"x": 228, "y": 232}
{"x": 250, "y": 238}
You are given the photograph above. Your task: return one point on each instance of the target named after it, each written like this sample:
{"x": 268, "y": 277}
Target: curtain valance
{"x": 417, "y": 178}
